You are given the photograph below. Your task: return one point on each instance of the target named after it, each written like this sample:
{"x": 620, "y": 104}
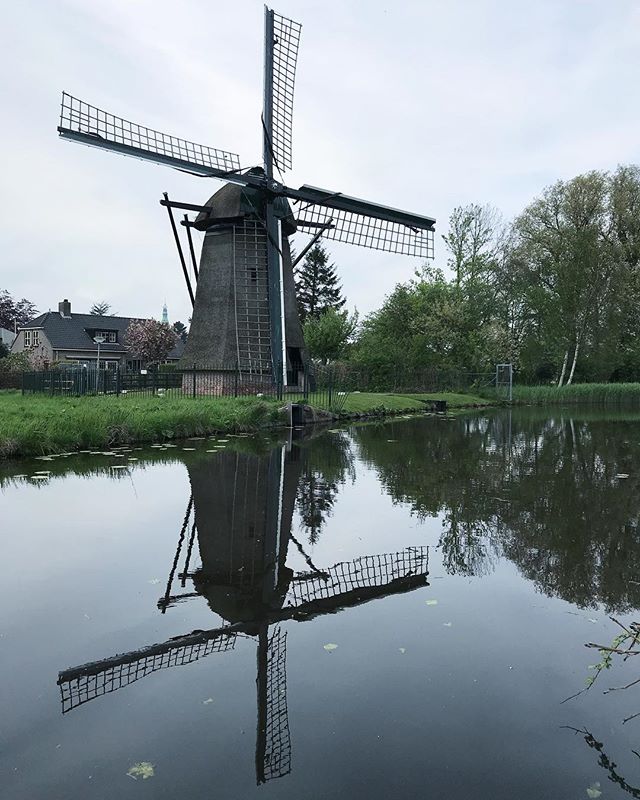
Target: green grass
{"x": 618, "y": 394}
{"x": 34, "y": 425}
{"x": 365, "y": 402}
{"x": 39, "y": 425}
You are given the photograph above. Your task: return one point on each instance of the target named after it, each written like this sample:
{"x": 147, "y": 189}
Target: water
{"x": 393, "y": 610}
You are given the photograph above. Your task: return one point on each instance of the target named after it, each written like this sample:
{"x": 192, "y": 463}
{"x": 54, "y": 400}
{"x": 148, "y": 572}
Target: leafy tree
{"x": 15, "y": 312}
{"x": 328, "y": 336}
{"x": 15, "y": 362}
{"x": 317, "y": 285}
{"x": 149, "y": 340}
{"x": 473, "y": 240}
{"x": 180, "y": 330}
{"x": 4, "y": 350}
{"x": 101, "y": 309}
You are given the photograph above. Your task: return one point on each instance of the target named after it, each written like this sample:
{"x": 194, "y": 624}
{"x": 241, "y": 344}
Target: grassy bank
{"x": 38, "y": 425}
{"x": 610, "y": 394}
{"x": 371, "y": 402}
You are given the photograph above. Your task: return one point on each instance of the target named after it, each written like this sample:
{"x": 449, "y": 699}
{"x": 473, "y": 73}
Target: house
{"x": 63, "y": 337}
{"x": 7, "y": 337}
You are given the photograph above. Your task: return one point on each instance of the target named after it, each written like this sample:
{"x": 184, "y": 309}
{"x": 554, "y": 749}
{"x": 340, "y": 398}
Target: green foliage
{"x": 4, "y": 350}
{"x": 555, "y": 293}
{"x": 15, "y": 362}
{"x": 180, "y": 330}
{"x": 15, "y": 312}
{"x": 610, "y": 394}
{"x": 40, "y": 425}
{"x": 317, "y": 285}
{"x": 329, "y": 335}
{"x": 101, "y": 309}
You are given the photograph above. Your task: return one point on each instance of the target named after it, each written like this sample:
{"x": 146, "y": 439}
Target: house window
{"x": 36, "y": 338}
{"x": 27, "y": 338}
{"x": 109, "y": 336}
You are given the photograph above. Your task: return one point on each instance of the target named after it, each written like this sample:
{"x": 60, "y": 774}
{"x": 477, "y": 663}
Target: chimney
{"x": 64, "y": 308}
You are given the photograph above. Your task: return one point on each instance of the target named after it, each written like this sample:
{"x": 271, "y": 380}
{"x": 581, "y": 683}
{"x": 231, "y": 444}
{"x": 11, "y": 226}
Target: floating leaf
{"x": 591, "y": 619}
{"x": 594, "y": 790}
{"x": 431, "y": 602}
{"x": 153, "y": 581}
{"x": 402, "y": 649}
{"x": 447, "y": 624}
{"x": 208, "y": 701}
{"x": 143, "y": 769}
{"x": 329, "y": 647}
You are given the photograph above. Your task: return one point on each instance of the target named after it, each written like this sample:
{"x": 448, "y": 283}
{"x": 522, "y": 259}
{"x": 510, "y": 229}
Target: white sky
{"x": 419, "y": 105}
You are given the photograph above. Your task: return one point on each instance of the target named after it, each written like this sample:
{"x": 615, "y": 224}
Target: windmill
{"x": 241, "y": 510}
{"x": 245, "y": 310}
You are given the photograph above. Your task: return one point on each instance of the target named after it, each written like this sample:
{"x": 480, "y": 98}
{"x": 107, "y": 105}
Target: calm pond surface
{"x": 391, "y": 610}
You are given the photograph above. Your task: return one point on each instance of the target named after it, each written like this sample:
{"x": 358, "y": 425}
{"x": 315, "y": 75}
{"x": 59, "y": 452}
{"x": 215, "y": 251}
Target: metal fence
{"x": 324, "y": 386}
{"x": 321, "y": 386}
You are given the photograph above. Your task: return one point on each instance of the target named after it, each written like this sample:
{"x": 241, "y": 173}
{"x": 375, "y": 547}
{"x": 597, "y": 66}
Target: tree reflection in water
{"x": 540, "y": 490}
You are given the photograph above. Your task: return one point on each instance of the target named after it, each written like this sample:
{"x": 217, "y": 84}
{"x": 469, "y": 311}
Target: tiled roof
{"x": 70, "y": 333}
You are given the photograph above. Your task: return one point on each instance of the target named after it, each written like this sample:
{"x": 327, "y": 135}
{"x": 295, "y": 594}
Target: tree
{"x": 317, "y": 285}
{"x": 15, "y": 313}
{"x": 473, "y": 240}
{"x": 329, "y": 335}
{"x": 4, "y": 350}
{"x": 180, "y": 330}
{"x": 149, "y": 340}
{"x": 100, "y": 309}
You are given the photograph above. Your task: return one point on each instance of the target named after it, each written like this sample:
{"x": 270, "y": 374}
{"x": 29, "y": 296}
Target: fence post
{"x": 305, "y": 382}
{"x": 330, "y": 388}
{"x": 117, "y": 380}
{"x": 236, "y": 379}
{"x": 194, "y": 380}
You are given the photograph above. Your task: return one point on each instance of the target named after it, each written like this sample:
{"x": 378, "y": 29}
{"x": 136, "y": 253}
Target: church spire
{"x": 165, "y": 314}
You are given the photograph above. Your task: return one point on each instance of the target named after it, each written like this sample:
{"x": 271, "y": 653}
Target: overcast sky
{"x": 418, "y": 105}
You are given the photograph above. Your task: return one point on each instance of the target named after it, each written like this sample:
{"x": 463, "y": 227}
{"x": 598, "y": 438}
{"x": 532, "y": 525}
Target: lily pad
{"x": 402, "y": 650}
{"x": 593, "y": 791}
{"x": 447, "y": 624}
{"x": 431, "y": 602}
{"x": 143, "y": 769}
{"x": 208, "y": 701}
{"x": 330, "y": 646}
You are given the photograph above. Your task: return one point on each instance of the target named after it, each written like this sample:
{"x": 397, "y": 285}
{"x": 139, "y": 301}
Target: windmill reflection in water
{"x": 240, "y": 512}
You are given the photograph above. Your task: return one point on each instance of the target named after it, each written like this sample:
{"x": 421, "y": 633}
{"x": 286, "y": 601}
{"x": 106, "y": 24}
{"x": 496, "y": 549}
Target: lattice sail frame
{"x": 78, "y": 117}
{"x": 365, "y": 572}
{"x": 83, "y": 687}
{"x": 285, "y": 56}
{"x": 277, "y": 757}
{"x": 366, "y": 231}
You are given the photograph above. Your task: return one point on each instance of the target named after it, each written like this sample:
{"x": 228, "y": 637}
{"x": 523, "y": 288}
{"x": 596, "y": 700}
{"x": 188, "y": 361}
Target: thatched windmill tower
{"x": 245, "y": 311}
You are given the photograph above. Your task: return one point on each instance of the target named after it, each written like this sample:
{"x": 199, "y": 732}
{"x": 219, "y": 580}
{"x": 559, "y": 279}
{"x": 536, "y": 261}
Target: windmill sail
{"x": 286, "y": 41}
{"x": 344, "y": 585}
{"x": 92, "y": 126}
{"x": 360, "y": 222}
